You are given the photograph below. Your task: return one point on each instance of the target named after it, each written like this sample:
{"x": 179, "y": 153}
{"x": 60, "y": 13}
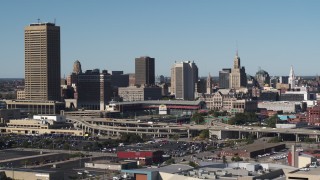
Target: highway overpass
{"x": 113, "y": 127}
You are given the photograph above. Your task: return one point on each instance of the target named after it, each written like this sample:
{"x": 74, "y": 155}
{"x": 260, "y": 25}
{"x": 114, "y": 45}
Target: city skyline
{"x": 272, "y": 35}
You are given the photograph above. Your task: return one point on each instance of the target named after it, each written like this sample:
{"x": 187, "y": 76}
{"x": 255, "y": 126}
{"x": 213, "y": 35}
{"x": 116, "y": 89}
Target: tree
{"x": 130, "y": 138}
{"x": 309, "y": 140}
{"x": 250, "y": 139}
{"x": 218, "y": 113}
{"x": 170, "y": 161}
{"x": 193, "y": 164}
{"x": 274, "y": 140}
{"x": 272, "y": 121}
{"x": 176, "y": 137}
{"x": 239, "y": 118}
{"x": 243, "y": 118}
{"x": 204, "y": 134}
{"x": 224, "y": 159}
{"x": 236, "y": 159}
{"x": 197, "y": 118}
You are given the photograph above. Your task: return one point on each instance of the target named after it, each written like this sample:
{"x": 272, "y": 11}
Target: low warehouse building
{"x": 253, "y": 150}
{"x": 111, "y": 165}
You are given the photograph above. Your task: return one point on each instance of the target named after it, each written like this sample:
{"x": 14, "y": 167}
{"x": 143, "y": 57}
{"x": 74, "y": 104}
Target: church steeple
{"x": 292, "y": 78}
{"x": 209, "y": 84}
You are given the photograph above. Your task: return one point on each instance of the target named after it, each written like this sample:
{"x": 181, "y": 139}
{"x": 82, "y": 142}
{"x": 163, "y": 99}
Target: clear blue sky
{"x": 271, "y": 34}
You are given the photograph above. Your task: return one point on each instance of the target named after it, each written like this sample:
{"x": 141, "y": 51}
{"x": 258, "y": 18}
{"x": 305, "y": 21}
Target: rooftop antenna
{"x": 54, "y": 21}
{"x": 237, "y": 48}
{"x": 38, "y": 20}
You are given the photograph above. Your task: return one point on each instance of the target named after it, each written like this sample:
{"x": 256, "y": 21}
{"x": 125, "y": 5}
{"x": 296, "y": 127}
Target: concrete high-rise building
{"x": 292, "y": 79}
{"x": 284, "y": 79}
{"x": 132, "y": 79}
{"x": 144, "y": 70}
{"x": 238, "y": 77}
{"x": 224, "y": 77}
{"x": 94, "y": 89}
{"x": 184, "y": 75}
{"x": 118, "y": 79}
{"x": 42, "y": 62}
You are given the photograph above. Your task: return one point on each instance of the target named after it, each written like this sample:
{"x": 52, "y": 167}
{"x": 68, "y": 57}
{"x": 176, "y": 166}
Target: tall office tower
{"x": 77, "y": 67}
{"x": 292, "y": 78}
{"x": 224, "y": 76}
{"x": 200, "y": 86}
{"x": 94, "y": 89}
{"x": 118, "y": 79}
{"x": 72, "y": 79}
{"x": 42, "y": 62}
{"x": 284, "y": 79}
{"x": 144, "y": 70}
{"x": 184, "y": 75}
{"x": 238, "y": 77}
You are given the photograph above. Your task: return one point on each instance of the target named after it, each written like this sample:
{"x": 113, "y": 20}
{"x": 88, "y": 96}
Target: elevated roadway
{"x": 113, "y": 127}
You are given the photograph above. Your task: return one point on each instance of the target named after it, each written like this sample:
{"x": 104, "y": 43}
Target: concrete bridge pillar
{"x": 240, "y": 135}
{"x": 297, "y": 138}
{"x": 188, "y": 131}
{"x": 258, "y": 135}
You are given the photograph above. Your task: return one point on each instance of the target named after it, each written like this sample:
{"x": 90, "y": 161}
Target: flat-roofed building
{"x": 284, "y": 106}
{"x": 21, "y": 94}
{"x": 134, "y": 93}
{"x": 144, "y": 70}
{"x": 112, "y": 165}
{"x": 224, "y": 76}
{"x": 313, "y": 115}
{"x": 184, "y": 76}
{"x": 36, "y": 107}
{"x": 94, "y": 89}
{"x": 31, "y": 174}
{"x": 42, "y": 62}
{"x": 118, "y": 79}
{"x": 303, "y": 174}
{"x": 38, "y": 127}
{"x": 6, "y": 114}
